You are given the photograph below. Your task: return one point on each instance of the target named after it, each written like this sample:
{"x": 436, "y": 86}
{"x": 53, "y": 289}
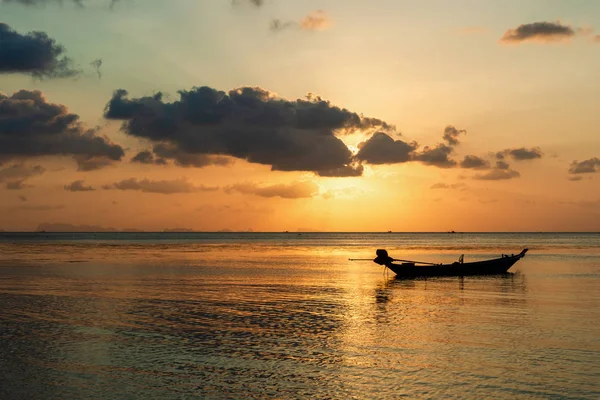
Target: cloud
{"x": 497, "y": 174}
{"x": 451, "y": 135}
{"x": 78, "y": 3}
{"x": 315, "y": 21}
{"x": 438, "y": 156}
{"x": 162, "y": 187}
{"x": 257, "y": 3}
{"x": 247, "y": 123}
{"x": 30, "y": 126}
{"x": 296, "y": 190}
{"x": 147, "y": 157}
{"x": 474, "y": 162}
{"x": 184, "y": 159}
{"x": 78, "y": 186}
{"x": 97, "y": 64}
{"x": 521, "y": 154}
{"x": 16, "y": 175}
{"x": 585, "y": 167}
{"x": 33, "y": 53}
{"x": 574, "y": 178}
{"x": 382, "y": 149}
{"x": 502, "y": 165}
{"x": 539, "y": 32}
{"x": 22, "y": 198}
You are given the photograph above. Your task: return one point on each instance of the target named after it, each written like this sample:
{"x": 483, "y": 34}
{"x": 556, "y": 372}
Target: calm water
{"x": 181, "y": 316}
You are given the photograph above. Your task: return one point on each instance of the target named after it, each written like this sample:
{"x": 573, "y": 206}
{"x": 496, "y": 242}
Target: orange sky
{"x": 397, "y": 95}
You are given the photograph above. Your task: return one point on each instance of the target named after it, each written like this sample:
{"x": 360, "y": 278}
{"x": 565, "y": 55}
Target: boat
{"x": 417, "y": 269}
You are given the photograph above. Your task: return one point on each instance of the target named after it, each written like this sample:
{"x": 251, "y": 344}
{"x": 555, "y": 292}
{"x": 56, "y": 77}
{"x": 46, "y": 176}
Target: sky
{"x": 287, "y": 115}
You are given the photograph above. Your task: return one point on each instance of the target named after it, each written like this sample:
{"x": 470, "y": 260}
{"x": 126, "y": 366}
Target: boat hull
{"x": 495, "y": 266}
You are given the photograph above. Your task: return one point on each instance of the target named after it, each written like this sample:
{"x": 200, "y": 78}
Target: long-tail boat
{"x": 416, "y": 269}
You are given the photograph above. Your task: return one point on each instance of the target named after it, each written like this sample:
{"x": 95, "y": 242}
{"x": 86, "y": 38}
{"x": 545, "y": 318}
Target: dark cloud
{"x": 497, "y": 175}
{"x": 162, "y": 187}
{"x": 502, "y": 165}
{"x": 33, "y": 53}
{"x": 184, "y": 159}
{"x": 16, "y": 175}
{"x": 574, "y": 178}
{"x": 78, "y": 186}
{"x": 147, "y": 157}
{"x": 451, "y": 135}
{"x": 520, "y": 154}
{"x": 30, "y": 126}
{"x": 438, "y": 156}
{"x": 345, "y": 171}
{"x": 382, "y": 149}
{"x": 63, "y": 227}
{"x": 474, "y": 162}
{"x": 296, "y": 190}
{"x": 246, "y": 123}
{"x": 22, "y": 198}
{"x": 585, "y": 167}
{"x": 540, "y": 32}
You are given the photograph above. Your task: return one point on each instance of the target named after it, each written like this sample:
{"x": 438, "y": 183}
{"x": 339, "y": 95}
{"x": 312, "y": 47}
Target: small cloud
{"x": 22, "y": 198}
{"x": 574, "y": 178}
{"x": 474, "y": 162}
{"x": 488, "y": 201}
{"x": 585, "y": 167}
{"x": 497, "y": 174}
{"x": 544, "y": 32}
{"x": 451, "y": 135}
{"x": 438, "y": 156}
{"x": 521, "y": 154}
{"x": 78, "y": 186}
{"x": 502, "y": 165}
{"x": 256, "y": 3}
{"x": 162, "y": 187}
{"x": 147, "y": 157}
{"x": 16, "y": 175}
{"x": 96, "y": 64}
{"x": 296, "y": 190}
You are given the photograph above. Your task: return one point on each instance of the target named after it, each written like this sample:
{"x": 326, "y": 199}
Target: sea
{"x": 290, "y": 316}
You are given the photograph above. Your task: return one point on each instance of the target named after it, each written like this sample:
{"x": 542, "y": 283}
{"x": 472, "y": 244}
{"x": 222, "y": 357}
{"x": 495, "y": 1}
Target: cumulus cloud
{"x": 521, "y": 154}
{"x": 296, "y": 190}
{"x": 246, "y": 123}
{"x": 451, "y": 135}
{"x": 78, "y": 186}
{"x": 500, "y": 164}
{"x": 185, "y": 159}
{"x": 497, "y": 175}
{"x": 147, "y": 157}
{"x": 162, "y": 187}
{"x": 30, "y": 126}
{"x": 474, "y": 162}
{"x": 34, "y": 53}
{"x": 539, "y": 32}
{"x": 382, "y": 149}
{"x": 16, "y": 175}
{"x": 585, "y": 167}
{"x": 438, "y": 156}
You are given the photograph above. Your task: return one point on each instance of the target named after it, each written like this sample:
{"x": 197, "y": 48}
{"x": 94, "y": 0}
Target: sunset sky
{"x": 325, "y": 115}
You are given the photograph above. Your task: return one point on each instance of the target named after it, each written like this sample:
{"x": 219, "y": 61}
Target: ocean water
{"x": 286, "y": 315}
